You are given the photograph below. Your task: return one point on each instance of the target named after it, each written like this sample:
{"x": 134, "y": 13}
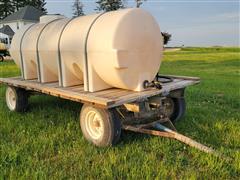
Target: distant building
{"x": 13, "y": 22}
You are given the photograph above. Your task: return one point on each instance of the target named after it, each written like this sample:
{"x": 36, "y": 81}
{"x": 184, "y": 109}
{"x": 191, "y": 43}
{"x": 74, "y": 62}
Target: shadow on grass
{"x": 50, "y": 102}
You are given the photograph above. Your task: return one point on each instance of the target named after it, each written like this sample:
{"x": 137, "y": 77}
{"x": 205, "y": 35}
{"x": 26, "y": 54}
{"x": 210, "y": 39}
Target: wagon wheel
{"x": 99, "y": 126}
{"x": 175, "y": 108}
{"x": 1, "y": 58}
{"x": 16, "y": 99}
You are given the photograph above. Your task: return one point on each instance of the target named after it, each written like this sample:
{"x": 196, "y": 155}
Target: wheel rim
{"x": 169, "y": 106}
{"x": 11, "y": 98}
{"x": 94, "y": 124}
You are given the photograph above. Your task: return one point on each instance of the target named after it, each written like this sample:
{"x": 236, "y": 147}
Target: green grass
{"x": 46, "y": 142}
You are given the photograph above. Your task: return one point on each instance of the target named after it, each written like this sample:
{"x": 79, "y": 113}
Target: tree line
{"x": 8, "y": 7}
{"x": 112, "y": 5}
{"x": 103, "y": 5}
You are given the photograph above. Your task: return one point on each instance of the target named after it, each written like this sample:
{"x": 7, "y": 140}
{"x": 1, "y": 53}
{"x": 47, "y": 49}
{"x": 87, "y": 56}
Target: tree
{"x": 77, "y": 8}
{"x": 6, "y": 8}
{"x": 139, "y": 3}
{"x": 166, "y": 37}
{"x": 109, "y": 5}
{"x": 18, "y": 4}
{"x": 41, "y": 6}
{"x": 38, "y": 4}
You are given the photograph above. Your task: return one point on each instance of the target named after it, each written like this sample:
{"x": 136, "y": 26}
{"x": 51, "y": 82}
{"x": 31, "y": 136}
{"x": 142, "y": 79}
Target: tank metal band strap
{"x": 59, "y": 53}
{"x": 85, "y": 50}
{"x": 21, "y": 55}
{"x": 37, "y": 48}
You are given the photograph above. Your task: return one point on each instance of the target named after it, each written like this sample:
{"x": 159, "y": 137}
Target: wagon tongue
{"x": 163, "y": 131}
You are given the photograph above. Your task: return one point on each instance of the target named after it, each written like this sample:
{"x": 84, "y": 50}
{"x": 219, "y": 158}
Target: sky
{"x": 191, "y": 22}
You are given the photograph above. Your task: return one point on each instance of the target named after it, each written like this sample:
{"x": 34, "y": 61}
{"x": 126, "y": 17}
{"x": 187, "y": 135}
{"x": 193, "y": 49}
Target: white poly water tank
{"x": 115, "y": 49}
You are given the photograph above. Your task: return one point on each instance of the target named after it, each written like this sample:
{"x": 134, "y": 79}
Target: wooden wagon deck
{"x": 106, "y": 98}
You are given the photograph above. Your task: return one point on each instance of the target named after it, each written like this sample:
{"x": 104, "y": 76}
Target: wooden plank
{"x": 73, "y": 88}
{"x": 181, "y": 77}
{"x": 79, "y": 90}
{"x": 52, "y": 84}
{"x": 17, "y": 78}
{"x": 107, "y": 98}
{"x": 58, "y": 92}
{"x": 32, "y": 80}
{"x": 119, "y": 94}
{"x": 107, "y": 91}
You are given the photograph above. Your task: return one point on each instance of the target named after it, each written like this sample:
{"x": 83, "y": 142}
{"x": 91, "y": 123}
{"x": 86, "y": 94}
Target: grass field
{"x": 46, "y": 142}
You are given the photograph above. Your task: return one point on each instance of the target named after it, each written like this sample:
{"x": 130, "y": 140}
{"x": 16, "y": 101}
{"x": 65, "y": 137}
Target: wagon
{"x": 3, "y": 53}
{"x": 105, "y": 113}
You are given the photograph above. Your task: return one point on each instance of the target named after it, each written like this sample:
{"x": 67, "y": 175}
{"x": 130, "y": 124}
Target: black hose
{"x": 156, "y": 82}
{"x": 169, "y": 79}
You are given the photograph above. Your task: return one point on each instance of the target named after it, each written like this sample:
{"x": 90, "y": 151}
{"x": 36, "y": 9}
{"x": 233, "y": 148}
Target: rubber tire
{"x": 1, "y": 58}
{"x": 111, "y": 123}
{"x": 21, "y": 99}
{"x": 179, "y": 109}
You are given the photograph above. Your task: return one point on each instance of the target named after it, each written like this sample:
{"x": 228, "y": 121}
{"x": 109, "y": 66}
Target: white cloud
{"x": 229, "y": 16}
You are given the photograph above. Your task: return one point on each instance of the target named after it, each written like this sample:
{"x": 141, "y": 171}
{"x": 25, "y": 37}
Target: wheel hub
{"x": 11, "y": 98}
{"x": 94, "y": 125}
